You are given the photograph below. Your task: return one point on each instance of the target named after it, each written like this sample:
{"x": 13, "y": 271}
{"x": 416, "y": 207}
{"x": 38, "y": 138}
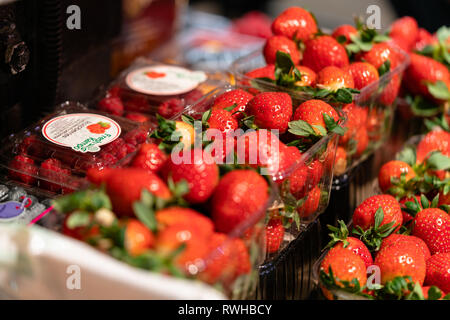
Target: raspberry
{"x": 54, "y": 174}
{"x": 137, "y": 117}
{"x": 24, "y": 169}
{"x": 170, "y": 108}
{"x": 193, "y": 96}
{"x": 136, "y": 136}
{"x": 115, "y": 91}
{"x": 137, "y": 104}
{"x": 112, "y": 105}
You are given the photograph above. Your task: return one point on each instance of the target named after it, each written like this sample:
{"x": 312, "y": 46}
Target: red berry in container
{"x": 170, "y": 108}
{"x": 23, "y": 169}
{"x": 53, "y": 175}
{"x": 137, "y": 117}
{"x": 112, "y": 105}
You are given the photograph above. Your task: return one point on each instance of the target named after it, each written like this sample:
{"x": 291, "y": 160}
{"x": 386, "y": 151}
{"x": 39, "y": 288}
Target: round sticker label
{"x": 164, "y": 80}
{"x": 83, "y": 132}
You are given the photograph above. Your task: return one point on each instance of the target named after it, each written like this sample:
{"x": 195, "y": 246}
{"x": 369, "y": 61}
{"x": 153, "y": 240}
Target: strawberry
{"x": 311, "y": 204}
{"x": 334, "y": 78}
{"x": 391, "y": 90}
{"x": 406, "y": 216}
{"x": 124, "y": 187}
{"x": 308, "y": 77}
{"x": 423, "y": 76}
{"x": 356, "y": 117}
{"x": 137, "y": 117}
{"x": 438, "y": 271}
{"x": 280, "y": 43}
{"x": 263, "y": 72}
{"x": 340, "y": 239}
{"x": 137, "y": 238}
{"x": 149, "y": 157}
{"x": 111, "y": 105}
{"x": 340, "y": 163}
{"x": 363, "y": 74}
{"x": 23, "y": 168}
{"x": 433, "y": 141}
{"x": 432, "y": 225}
{"x": 313, "y": 111}
{"x": 274, "y": 235}
{"x": 424, "y": 38}
{"x": 173, "y": 237}
{"x": 201, "y": 175}
{"x": 237, "y": 97}
{"x": 324, "y": 51}
{"x": 379, "y": 55}
{"x": 405, "y": 30}
{"x": 170, "y": 108}
{"x": 227, "y": 259}
{"x": 240, "y": 196}
{"x": 222, "y": 120}
{"x": 178, "y": 215}
{"x": 272, "y": 110}
{"x": 362, "y": 141}
{"x": 401, "y": 259}
{"x": 345, "y": 265}
{"x": 54, "y": 174}
{"x": 343, "y": 33}
{"x": 365, "y": 213}
{"x": 400, "y": 238}
{"x": 82, "y": 233}
{"x": 396, "y": 170}
{"x": 295, "y": 23}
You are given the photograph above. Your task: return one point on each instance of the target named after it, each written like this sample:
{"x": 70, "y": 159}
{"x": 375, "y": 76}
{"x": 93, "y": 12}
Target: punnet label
{"x": 83, "y": 132}
{"x": 164, "y": 80}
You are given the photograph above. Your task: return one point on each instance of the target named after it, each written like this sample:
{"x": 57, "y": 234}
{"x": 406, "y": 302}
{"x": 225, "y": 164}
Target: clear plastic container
{"x": 375, "y": 99}
{"x": 53, "y": 154}
{"x": 147, "y": 88}
{"x": 316, "y": 163}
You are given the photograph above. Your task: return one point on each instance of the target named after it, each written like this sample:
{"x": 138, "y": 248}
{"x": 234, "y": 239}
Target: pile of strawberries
{"x": 308, "y": 63}
{"x": 138, "y": 107}
{"x": 405, "y": 232}
{"x": 426, "y": 85}
{"x": 37, "y": 162}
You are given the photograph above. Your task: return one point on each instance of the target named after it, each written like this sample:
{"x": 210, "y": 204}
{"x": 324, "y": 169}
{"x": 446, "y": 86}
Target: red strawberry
{"x": 379, "y": 54}
{"x": 54, "y": 174}
{"x": 222, "y": 120}
{"x": 170, "y": 108}
{"x": 137, "y": 117}
{"x": 334, "y": 78}
{"x": 311, "y": 204}
{"x": 433, "y": 141}
{"x": 124, "y": 187}
{"x": 227, "y": 259}
{"x": 178, "y": 215}
{"x": 359, "y": 248}
{"x": 295, "y": 23}
{"x": 362, "y": 141}
{"x": 405, "y": 30}
{"x": 363, "y": 74}
{"x": 280, "y": 43}
{"x": 394, "y": 169}
{"x": 424, "y": 38}
{"x": 201, "y": 175}
{"x": 237, "y": 97}
{"x": 356, "y": 117}
{"x": 23, "y": 169}
{"x": 340, "y": 163}
{"x": 308, "y": 77}
{"x": 312, "y": 111}
{"x": 263, "y": 72}
{"x": 444, "y": 198}
{"x": 111, "y": 105}
{"x": 438, "y": 271}
{"x": 406, "y": 216}
{"x": 364, "y": 215}
{"x": 240, "y": 196}
{"x": 322, "y": 52}
{"x": 391, "y": 90}
{"x": 137, "y": 238}
{"x": 401, "y": 259}
{"x": 272, "y": 110}
{"x": 432, "y": 225}
{"x": 345, "y": 265}
{"x": 172, "y": 237}
{"x": 82, "y": 233}
{"x": 344, "y": 31}
{"x": 422, "y": 71}
{"x": 402, "y": 238}
{"x": 274, "y": 235}
{"x": 149, "y": 157}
